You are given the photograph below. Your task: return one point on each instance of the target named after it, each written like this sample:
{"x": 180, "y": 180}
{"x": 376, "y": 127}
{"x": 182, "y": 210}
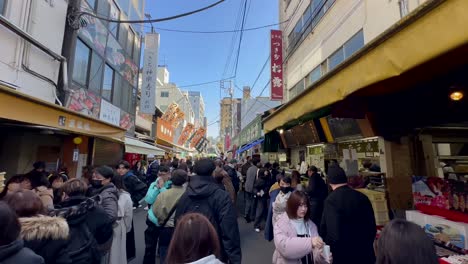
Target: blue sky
{"x": 197, "y": 58}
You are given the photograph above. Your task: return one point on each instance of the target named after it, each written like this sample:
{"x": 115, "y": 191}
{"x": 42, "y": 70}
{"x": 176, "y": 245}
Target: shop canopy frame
{"x": 251, "y": 145}
{"x": 382, "y": 63}
{"x": 133, "y": 145}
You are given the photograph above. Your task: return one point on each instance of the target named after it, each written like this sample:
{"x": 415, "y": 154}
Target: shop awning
{"x": 135, "y": 146}
{"x": 251, "y": 145}
{"x": 435, "y": 29}
{"x": 17, "y": 106}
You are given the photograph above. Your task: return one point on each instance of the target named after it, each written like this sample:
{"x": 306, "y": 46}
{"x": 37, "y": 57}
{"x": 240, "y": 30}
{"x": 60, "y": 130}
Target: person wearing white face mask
{"x": 295, "y": 235}
{"x": 279, "y": 205}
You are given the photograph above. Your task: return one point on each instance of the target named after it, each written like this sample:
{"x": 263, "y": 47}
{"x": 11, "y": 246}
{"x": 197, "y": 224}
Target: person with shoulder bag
{"x": 164, "y": 210}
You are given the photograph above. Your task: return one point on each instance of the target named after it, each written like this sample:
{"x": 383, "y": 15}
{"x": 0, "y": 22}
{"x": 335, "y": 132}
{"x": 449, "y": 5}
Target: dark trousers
{"x": 164, "y": 241}
{"x": 250, "y": 206}
{"x": 151, "y": 241}
{"x": 260, "y": 215}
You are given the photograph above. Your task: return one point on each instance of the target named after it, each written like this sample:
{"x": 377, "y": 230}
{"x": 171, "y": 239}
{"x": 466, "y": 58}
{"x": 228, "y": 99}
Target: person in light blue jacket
{"x": 161, "y": 184}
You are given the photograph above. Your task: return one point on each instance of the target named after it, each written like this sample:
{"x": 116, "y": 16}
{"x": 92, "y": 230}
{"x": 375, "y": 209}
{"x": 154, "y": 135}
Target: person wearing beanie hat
{"x": 348, "y": 223}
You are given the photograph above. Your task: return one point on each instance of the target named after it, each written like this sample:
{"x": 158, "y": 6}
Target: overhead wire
{"x": 75, "y": 17}
{"x": 240, "y": 39}
{"x": 233, "y": 40}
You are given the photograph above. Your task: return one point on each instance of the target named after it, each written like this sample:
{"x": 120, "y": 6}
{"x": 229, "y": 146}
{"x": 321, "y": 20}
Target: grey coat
{"x": 109, "y": 201}
{"x": 15, "y": 253}
{"x": 251, "y": 176}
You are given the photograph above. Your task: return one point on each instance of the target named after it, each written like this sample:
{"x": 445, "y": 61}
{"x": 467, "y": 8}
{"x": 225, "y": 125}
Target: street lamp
{"x": 148, "y": 16}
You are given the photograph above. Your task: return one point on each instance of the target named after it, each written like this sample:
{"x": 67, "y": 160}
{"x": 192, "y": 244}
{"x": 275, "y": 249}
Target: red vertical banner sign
{"x": 276, "y": 66}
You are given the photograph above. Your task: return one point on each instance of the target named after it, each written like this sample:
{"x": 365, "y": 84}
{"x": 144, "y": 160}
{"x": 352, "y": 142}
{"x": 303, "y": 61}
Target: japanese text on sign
{"x": 150, "y": 64}
{"x": 276, "y": 65}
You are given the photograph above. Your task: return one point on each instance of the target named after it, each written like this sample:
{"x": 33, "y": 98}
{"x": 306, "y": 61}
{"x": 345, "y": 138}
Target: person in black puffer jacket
{"x": 90, "y": 228}
{"x": 46, "y": 236}
{"x": 12, "y": 250}
{"x": 152, "y": 172}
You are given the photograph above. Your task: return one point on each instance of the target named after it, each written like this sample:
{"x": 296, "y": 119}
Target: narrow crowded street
{"x": 339, "y": 126}
{"x": 255, "y": 249}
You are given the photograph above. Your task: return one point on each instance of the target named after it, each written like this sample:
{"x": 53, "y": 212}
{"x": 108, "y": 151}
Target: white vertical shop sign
{"x": 109, "y": 113}
{"x": 150, "y": 73}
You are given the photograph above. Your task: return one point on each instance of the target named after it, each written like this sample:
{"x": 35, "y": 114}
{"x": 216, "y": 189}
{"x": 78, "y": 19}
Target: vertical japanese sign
{"x": 185, "y": 134}
{"x": 150, "y": 72}
{"x": 276, "y": 60}
{"x": 198, "y": 135}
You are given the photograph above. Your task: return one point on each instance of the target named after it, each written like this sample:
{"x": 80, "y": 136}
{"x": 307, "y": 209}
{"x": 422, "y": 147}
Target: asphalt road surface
{"x": 255, "y": 249}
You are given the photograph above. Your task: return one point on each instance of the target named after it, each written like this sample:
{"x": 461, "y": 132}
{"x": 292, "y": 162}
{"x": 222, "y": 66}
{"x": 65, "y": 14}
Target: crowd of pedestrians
{"x": 192, "y": 216}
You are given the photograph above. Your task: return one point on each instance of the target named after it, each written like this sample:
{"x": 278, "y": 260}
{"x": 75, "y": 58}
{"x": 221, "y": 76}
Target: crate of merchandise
{"x": 379, "y": 206}
{"x": 381, "y": 218}
{"x": 373, "y": 196}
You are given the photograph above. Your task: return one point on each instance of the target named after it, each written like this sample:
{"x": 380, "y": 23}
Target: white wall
{"x": 344, "y": 19}
{"x": 46, "y": 23}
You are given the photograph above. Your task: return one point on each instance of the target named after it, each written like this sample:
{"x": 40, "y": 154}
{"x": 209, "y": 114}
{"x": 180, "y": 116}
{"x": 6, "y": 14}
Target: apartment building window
{"x": 123, "y": 35}
{"x": 354, "y": 44}
{"x": 164, "y": 94}
{"x": 81, "y": 62}
{"x": 114, "y": 14}
{"x": 336, "y": 58}
{"x": 314, "y": 75}
{"x": 102, "y": 9}
{"x": 2, "y": 7}
{"x": 117, "y": 94}
{"x": 107, "y": 82}
{"x": 404, "y": 7}
{"x": 309, "y": 19}
{"x": 91, "y": 3}
{"x": 130, "y": 42}
{"x": 95, "y": 73}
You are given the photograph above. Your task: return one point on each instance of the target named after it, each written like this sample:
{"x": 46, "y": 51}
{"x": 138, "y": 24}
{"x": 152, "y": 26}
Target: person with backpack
{"x": 133, "y": 184}
{"x": 91, "y": 230}
{"x": 164, "y": 210}
{"x": 204, "y": 196}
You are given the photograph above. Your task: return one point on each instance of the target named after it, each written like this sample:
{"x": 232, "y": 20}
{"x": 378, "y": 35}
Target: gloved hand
{"x": 317, "y": 242}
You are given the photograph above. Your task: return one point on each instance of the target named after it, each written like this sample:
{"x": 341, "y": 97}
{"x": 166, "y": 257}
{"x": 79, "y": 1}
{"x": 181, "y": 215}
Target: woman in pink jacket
{"x": 296, "y": 237}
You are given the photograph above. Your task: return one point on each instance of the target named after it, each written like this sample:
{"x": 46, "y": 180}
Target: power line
{"x": 219, "y": 31}
{"x": 75, "y": 23}
{"x": 199, "y": 84}
{"x": 240, "y": 39}
{"x": 233, "y": 40}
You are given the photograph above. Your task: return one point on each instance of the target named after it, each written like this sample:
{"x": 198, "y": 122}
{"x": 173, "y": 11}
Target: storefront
{"x": 414, "y": 99}
{"x": 250, "y": 140}
{"x": 35, "y": 130}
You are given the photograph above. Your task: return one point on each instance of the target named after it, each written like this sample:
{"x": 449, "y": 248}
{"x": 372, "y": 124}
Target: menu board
{"x": 342, "y": 128}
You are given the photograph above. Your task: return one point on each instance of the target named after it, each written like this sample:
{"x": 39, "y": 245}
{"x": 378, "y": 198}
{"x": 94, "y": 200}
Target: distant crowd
{"x": 193, "y": 215}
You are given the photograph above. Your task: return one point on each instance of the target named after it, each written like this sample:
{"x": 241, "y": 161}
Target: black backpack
{"x": 203, "y": 206}
{"x": 83, "y": 247}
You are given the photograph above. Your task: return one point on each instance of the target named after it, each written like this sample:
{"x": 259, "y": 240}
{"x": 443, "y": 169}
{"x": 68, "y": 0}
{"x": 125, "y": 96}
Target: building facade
{"x": 225, "y": 117}
{"x": 322, "y": 34}
{"x": 198, "y": 106}
{"x": 253, "y": 107}
{"x": 69, "y": 86}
